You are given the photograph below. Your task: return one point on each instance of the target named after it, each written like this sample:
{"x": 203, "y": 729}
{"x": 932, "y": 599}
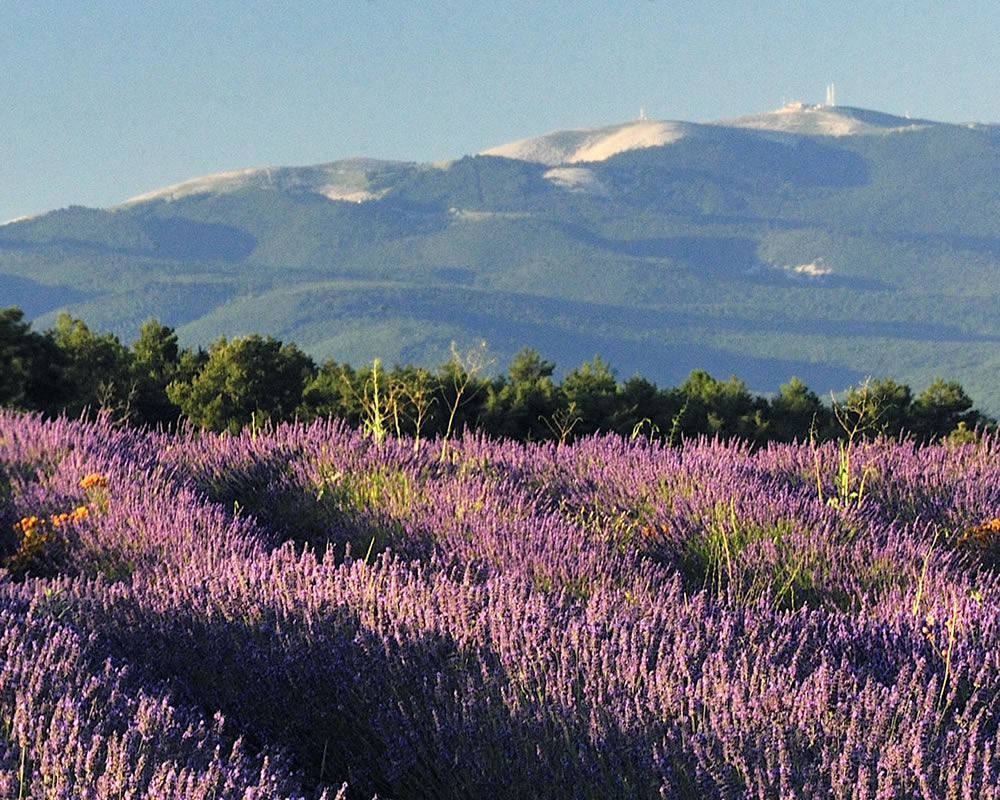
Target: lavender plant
{"x": 603, "y": 618}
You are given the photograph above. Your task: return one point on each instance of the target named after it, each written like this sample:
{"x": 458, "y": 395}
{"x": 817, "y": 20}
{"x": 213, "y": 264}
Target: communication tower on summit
{"x": 831, "y": 95}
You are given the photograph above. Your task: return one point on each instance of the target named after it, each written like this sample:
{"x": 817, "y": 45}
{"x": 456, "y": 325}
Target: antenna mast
{"x": 831, "y": 95}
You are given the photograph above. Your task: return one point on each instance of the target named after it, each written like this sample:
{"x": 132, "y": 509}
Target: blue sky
{"x": 100, "y": 101}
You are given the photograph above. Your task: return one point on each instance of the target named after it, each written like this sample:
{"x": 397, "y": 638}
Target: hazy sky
{"x": 100, "y": 100}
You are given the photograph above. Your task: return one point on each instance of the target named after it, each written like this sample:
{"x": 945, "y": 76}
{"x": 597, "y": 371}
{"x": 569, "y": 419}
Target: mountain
{"x": 825, "y": 242}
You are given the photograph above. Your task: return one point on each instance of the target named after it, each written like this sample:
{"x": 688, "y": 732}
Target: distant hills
{"x": 825, "y": 242}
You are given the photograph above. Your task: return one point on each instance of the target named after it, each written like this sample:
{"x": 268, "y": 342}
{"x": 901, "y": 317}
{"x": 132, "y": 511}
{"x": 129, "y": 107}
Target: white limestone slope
{"x": 340, "y": 180}
{"x": 216, "y": 183}
{"x": 576, "y": 179}
{"x": 592, "y": 144}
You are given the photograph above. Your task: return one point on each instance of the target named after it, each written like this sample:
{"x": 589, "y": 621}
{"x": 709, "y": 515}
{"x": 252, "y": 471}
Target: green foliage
{"x": 15, "y": 356}
{"x": 942, "y": 409}
{"x": 796, "y": 410}
{"x": 877, "y": 406}
{"x": 529, "y": 367}
{"x": 156, "y": 363}
{"x": 519, "y": 406}
{"x": 644, "y": 407}
{"x": 97, "y": 369}
{"x": 724, "y": 409}
{"x": 331, "y": 392}
{"x": 247, "y": 380}
{"x": 592, "y": 391}
{"x": 253, "y": 380}
{"x": 29, "y": 363}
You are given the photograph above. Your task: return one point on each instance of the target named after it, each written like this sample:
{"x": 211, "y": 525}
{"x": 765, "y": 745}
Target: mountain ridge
{"x": 823, "y": 241}
{"x": 343, "y": 179}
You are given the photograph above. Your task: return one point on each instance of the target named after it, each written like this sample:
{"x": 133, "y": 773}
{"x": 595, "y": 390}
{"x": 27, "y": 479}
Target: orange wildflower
{"x": 94, "y": 479}
{"x": 27, "y": 524}
{"x": 983, "y": 534}
{"x": 59, "y": 519}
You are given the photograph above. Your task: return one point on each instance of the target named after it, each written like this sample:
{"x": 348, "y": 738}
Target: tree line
{"x": 255, "y": 380}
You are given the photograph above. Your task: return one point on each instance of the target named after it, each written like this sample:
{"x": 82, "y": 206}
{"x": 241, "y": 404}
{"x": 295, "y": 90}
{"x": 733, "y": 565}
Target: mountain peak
{"x": 597, "y": 144}
{"x": 825, "y": 120}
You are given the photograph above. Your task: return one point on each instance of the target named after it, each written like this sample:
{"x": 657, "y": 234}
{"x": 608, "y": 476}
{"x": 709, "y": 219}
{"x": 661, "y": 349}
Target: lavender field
{"x": 304, "y": 612}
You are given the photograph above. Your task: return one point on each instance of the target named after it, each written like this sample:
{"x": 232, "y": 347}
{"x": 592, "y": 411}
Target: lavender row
{"x": 606, "y": 619}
